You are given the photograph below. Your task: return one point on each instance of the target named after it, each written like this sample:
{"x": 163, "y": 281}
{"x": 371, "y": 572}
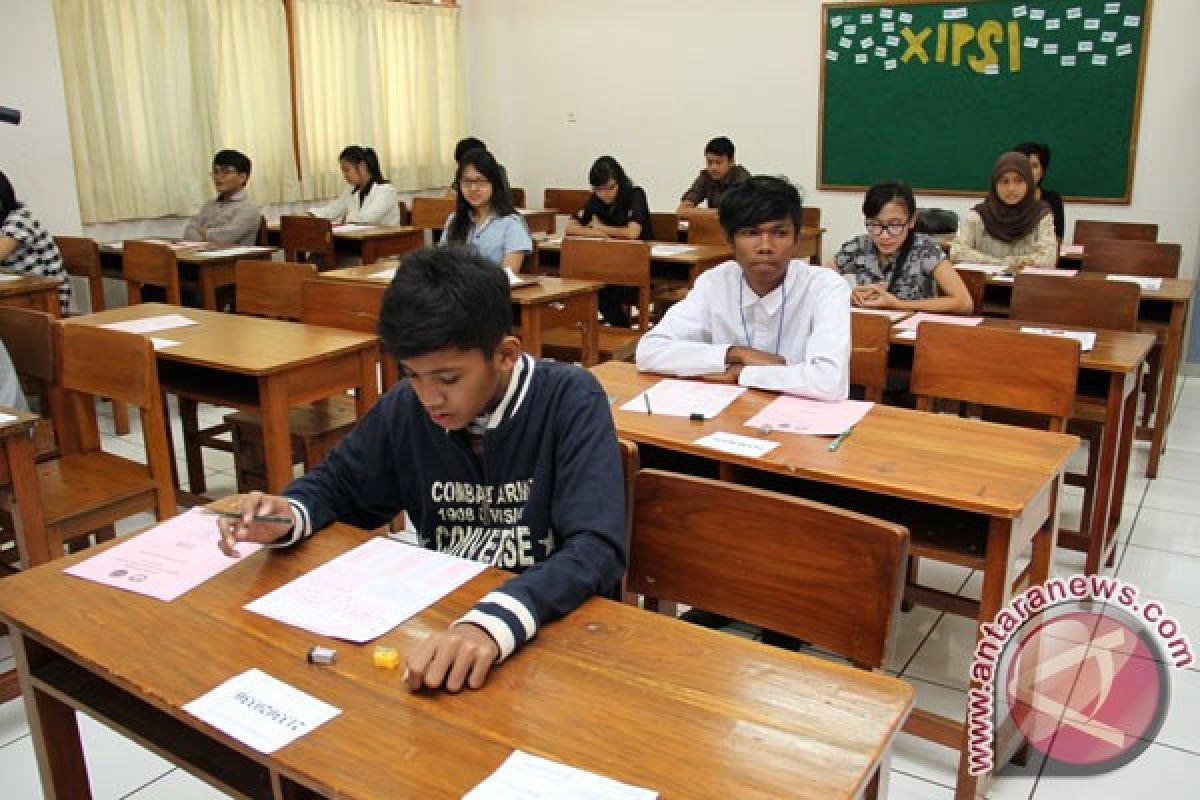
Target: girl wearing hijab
{"x": 1011, "y": 226}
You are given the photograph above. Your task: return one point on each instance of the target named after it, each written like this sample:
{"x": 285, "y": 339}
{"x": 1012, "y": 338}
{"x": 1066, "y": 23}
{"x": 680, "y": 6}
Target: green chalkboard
{"x": 931, "y": 92}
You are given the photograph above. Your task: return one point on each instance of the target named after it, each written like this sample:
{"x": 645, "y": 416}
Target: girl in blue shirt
{"x": 484, "y": 215}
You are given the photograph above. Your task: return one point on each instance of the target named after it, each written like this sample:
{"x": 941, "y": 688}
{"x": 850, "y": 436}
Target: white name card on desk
{"x": 8, "y": 276}
{"x": 1071, "y": 250}
{"x": 163, "y": 344}
{"x": 385, "y": 274}
{"x": 1086, "y": 339}
{"x": 676, "y": 398}
{"x": 913, "y": 322}
{"x": 789, "y": 414}
{"x": 6, "y": 418}
{"x": 261, "y": 712}
{"x": 737, "y": 444}
{"x": 150, "y": 324}
{"x": 1147, "y": 284}
{"x": 990, "y": 269}
{"x": 226, "y": 252}
{"x": 662, "y": 250}
{"x": 1057, "y": 273}
{"x": 522, "y": 777}
{"x": 365, "y": 592}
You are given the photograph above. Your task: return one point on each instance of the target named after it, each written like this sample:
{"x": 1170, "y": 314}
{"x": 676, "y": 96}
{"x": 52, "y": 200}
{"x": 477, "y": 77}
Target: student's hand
{"x": 460, "y": 655}
{"x": 246, "y": 529}
{"x": 750, "y": 357}
{"x": 859, "y": 294}
{"x": 878, "y": 298}
{"x": 597, "y": 227}
{"x": 730, "y": 375}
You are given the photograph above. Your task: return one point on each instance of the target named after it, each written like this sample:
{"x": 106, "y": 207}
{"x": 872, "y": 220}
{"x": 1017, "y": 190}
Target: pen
{"x": 646, "y": 397}
{"x": 841, "y": 437}
{"x": 256, "y": 518}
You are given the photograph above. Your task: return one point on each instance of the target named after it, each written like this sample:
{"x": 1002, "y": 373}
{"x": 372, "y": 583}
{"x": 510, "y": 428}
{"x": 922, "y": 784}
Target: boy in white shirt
{"x": 764, "y": 320}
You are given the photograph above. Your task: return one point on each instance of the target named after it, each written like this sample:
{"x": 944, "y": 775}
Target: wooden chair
{"x": 818, "y": 573}
{"x": 990, "y": 368}
{"x": 1089, "y": 230}
{"x": 404, "y": 213}
{"x": 630, "y": 464}
{"x": 975, "y": 281}
{"x": 150, "y": 264}
{"x": 869, "y": 354}
{"x": 308, "y": 239}
{"x": 87, "y": 490}
{"x": 263, "y": 237}
{"x": 271, "y": 289}
{"x": 664, "y": 226}
{"x": 315, "y": 427}
{"x": 81, "y": 257}
{"x": 28, "y": 336}
{"x": 810, "y": 217}
{"x": 705, "y": 228}
{"x": 431, "y": 213}
{"x": 613, "y": 262}
{"x": 567, "y": 202}
{"x": 1105, "y": 305}
{"x": 518, "y": 196}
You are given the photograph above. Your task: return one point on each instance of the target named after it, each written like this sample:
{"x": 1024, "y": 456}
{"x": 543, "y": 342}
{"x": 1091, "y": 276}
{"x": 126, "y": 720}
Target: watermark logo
{"x": 1080, "y": 666}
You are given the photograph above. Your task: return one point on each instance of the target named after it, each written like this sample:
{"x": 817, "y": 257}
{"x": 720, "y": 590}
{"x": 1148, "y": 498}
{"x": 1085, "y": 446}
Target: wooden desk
{"x": 261, "y": 365}
{"x": 370, "y": 243}
{"x": 626, "y": 693}
{"x": 1006, "y": 476}
{"x": 1109, "y": 373}
{"x": 540, "y": 220}
{"x": 549, "y": 303}
{"x": 808, "y": 244}
{"x": 30, "y": 291}
{"x": 206, "y": 272}
{"x": 673, "y": 269}
{"x": 1162, "y": 312}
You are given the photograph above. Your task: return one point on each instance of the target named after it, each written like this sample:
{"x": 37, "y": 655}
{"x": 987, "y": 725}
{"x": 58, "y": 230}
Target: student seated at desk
{"x": 1039, "y": 161}
{"x": 25, "y": 246}
{"x": 232, "y": 217}
{"x": 522, "y": 452}
{"x": 616, "y": 210}
{"x": 484, "y": 215}
{"x": 466, "y": 145}
{"x": 893, "y": 265}
{"x": 763, "y": 320}
{"x": 719, "y": 174}
{"x": 369, "y": 199}
{"x": 1011, "y": 226}
{"x": 10, "y": 384}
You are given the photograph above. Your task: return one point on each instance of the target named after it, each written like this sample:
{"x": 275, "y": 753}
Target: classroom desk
{"x": 208, "y": 272}
{"x": 1162, "y": 312}
{"x": 667, "y": 269}
{"x": 1109, "y": 374}
{"x": 540, "y": 305}
{"x": 255, "y": 364}
{"x": 369, "y": 243}
{"x": 626, "y": 693}
{"x": 808, "y": 244}
{"x": 1003, "y": 476}
{"x": 538, "y": 220}
{"x": 21, "y": 290}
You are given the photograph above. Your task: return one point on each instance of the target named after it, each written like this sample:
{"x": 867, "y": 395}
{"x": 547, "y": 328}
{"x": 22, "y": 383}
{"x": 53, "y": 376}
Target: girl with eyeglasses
{"x": 484, "y": 215}
{"x": 368, "y": 199}
{"x": 893, "y": 266}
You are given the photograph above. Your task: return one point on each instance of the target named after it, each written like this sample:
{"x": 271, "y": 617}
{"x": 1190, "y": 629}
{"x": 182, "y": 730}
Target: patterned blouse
{"x": 36, "y": 252}
{"x": 859, "y": 258}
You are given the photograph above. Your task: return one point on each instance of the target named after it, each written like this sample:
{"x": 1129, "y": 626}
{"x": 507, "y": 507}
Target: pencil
{"x": 256, "y": 518}
{"x": 646, "y": 397}
{"x": 841, "y": 437}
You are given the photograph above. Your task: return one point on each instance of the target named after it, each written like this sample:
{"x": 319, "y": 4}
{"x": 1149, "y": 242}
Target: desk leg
{"x": 1172, "y": 350}
{"x": 33, "y": 540}
{"x": 277, "y": 440}
{"x": 531, "y": 330}
{"x": 1106, "y": 477}
{"x": 208, "y": 290}
{"x": 591, "y": 331}
{"x": 367, "y": 392}
{"x": 54, "y": 727}
{"x": 369, "y": 252}
{"x": 1124, "y": 448}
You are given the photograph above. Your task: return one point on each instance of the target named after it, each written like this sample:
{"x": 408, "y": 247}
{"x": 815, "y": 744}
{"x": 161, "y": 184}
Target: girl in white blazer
{"x": 369, "y": 199}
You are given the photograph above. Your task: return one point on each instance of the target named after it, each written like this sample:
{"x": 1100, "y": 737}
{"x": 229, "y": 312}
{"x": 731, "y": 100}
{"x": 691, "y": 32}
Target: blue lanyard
{"x": 782, "y": 315}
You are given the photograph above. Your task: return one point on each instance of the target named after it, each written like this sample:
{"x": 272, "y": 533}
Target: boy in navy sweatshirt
{"x": 495, "y": 456}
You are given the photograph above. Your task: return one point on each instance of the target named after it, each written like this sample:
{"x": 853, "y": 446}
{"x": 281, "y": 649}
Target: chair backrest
{"x": 829, "y": 576}
{"x": 430, "y": 213}
{"x": 1130, "y": 257}
{"x": 810, "y": 217}
{"x": 81, "y": 257}
{"x": 307, "y": 238}
{"x": 271, "y": 288}
{"x": 150, "y": 264}
{"x": 869, "y": 354}
{"x": 404, "y": 213}
{"x": 263, "y": 237}
{"x": 630, "y": 464}
{"x": 351, "y": 305}
{"x": 976, "y": 281}
{"x": 664, "y": 226}
{"x": 705, "y": 228}
{"x": 998, "y": 368}
{"x": 1088, "y": 230}
{"x": 1109, "y": 305}
{"x": 610, "y": 261}
{"x": 568, "y": 202}
{"x": 28, "y": 336}
{"x": 518, "y": 196}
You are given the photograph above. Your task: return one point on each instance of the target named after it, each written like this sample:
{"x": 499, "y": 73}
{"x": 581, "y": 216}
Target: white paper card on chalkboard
{"x": 836, "y": 22}
{"x": 1053, "y": 24}
{"x": 888, "y": 27}
{"x": 893, "y": 41}
{"x": 867, "y": 43}
{"x": 889, "y": 64}
{"x": 1020, "y": 11}
{"x": 991, "y": 69}
{"x": 1124, "y": 49}
{"x": 1112, "y": 8}
{"x": 1108, "y": 37}
{"x": 844, "y": 42}
{"x": 881, "y": 52}
{"x": 1031, "y": 42}
{"x": 905, "y": 18}
{"x": 1074, "y": 13}
{"x": 861, "y": 58}
{"x": 954, "y": 13}
{"x": 1050, "y": 49}
{"x": 1132, "y": 21}
{"x": 1091, "y": 24}
{"x": 1085, "y": 47}
{"x": 886, "y": 13}
{"x": 850, "y": 30}
{"x": 831, "y": 55}
{"x": 1037, "y": 14}
{"x": 866, "y": 19}
{"x": 1100, "y": 60}
{"x": 1068, "y": 61}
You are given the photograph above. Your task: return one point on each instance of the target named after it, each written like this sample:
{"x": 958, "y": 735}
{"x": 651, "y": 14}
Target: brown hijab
{"x": 1009, "y": 223}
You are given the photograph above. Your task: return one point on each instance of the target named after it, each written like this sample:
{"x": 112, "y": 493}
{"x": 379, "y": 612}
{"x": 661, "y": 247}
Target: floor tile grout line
{"x": 148, "y": 784}
{"x": 941, "y": 615}
{"x": 15, "y": 739}
{"x": 921, "y": 778}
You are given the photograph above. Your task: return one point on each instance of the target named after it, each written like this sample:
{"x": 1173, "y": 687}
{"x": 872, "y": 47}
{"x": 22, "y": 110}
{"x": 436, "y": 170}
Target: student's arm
{"x": 16, "y": 233}
{"x": 8, "y": 246}
{"x": 581, "y": 223}
{"x": 192, "y": 232}
{"x": 824, "y": 373}
{"x": 381, "y": 203}
{"x": 242, "y": 227}
{"x": 968, "y": 239}
{"x": 954, "y": 299}
{"x": 335, "y": 209}
{"x": 517, "y": 242}
{"x": 694, "y": 195}
{"x": 1045, "y": 245}
{"x": 681, "y": 344}
{"x": 639, "y": 218}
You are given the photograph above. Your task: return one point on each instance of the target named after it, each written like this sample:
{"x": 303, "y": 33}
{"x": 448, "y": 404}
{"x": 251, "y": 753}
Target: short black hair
{"x": 760, "y": 199}
{"x": 232, "y": 158}
{"x": 1042, "y": 151}
{"x": 720, "y": 146}
{"x": 8, "y": 198}
{"x": 445, "y": 297}
{"x": 465, "y": 146}
{"x": 881, "y": 194}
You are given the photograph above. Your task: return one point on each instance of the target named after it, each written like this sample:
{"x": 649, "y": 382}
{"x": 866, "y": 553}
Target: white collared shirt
{"x": 381, "y": 206}
{"x": 812, "y": 332}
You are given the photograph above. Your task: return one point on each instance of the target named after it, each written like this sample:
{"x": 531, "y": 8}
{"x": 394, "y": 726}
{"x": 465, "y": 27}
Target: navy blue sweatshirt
{"x": 545, "y": 498}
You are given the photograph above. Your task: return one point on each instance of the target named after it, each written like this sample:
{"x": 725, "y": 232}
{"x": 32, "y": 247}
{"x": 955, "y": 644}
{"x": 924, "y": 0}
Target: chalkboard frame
{"x": 842, "y": 7}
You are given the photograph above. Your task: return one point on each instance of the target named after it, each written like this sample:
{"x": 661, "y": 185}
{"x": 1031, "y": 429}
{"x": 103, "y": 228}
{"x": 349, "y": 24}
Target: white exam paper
{"x": 660, "y": 250}
{"x": 1086, "y": 339}
{"x": 351, "y": 227}
{"x": 224, "y": 252}
{"x": 385, "y": 274}
{"x": 365, "y": 592}
{"x": 522, "y": 777}
{"x": 150, "y": 324}
{"x": 676, "y": 398}
{"x": 738, "y": 445}
{"x": 1147, "y": 284}
{"x": 162, "y": 344}
{"x": 261, "y": 712}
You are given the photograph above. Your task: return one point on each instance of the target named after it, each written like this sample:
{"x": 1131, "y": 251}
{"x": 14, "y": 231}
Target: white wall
{"x": 650, "y": 81}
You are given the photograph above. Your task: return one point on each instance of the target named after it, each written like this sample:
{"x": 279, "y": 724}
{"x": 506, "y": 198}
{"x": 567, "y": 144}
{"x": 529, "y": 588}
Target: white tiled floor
{"x": 1159, "y": 551}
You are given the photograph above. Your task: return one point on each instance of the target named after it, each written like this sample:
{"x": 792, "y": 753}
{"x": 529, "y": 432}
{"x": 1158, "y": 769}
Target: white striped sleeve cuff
{"x": 505, "y": 619}
{"x": 301, "y": 529}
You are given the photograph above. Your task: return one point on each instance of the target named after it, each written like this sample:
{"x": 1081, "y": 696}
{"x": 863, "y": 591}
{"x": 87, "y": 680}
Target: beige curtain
{"x": 384, "y": 75}
{"x": 155, "y": 87}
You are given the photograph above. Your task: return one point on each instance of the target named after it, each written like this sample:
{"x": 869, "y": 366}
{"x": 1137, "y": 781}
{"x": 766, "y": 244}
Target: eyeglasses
{"x": 892, "y": 228}
{"x": 217, "y": 171}
{"x": 474, "y": 183}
